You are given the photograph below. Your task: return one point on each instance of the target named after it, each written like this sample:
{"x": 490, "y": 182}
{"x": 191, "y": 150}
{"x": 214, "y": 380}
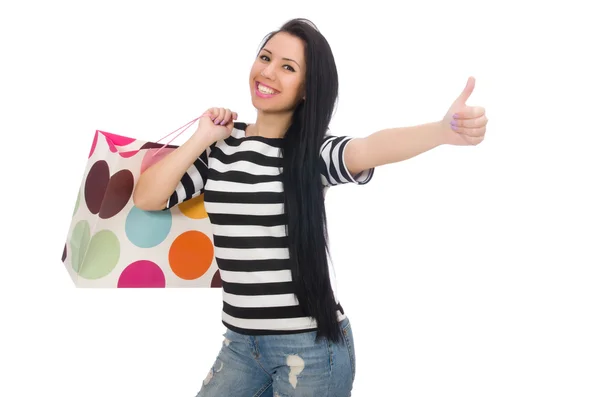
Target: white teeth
{"x": 264, "y": 89}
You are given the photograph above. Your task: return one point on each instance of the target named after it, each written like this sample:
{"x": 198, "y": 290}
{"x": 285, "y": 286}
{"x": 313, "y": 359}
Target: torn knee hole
{"x": 296, "y": 365}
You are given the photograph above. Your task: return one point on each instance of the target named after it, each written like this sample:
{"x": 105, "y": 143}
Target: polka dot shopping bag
{"x": 113, "y": 244}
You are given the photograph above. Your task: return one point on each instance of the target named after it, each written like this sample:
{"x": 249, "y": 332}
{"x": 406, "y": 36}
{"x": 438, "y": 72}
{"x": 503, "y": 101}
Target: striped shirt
{"x": 241, "y": 180}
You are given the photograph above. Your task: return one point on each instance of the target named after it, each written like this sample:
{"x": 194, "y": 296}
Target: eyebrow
{"x": 285, "y": 59}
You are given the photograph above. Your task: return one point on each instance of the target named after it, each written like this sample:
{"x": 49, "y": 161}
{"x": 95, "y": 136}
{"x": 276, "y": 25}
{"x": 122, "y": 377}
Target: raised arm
{"x": 156, "y": 185}
{"x": 462, "y": 125}
{"x": 391, "y": 145}
{"x": 183, "y": 172}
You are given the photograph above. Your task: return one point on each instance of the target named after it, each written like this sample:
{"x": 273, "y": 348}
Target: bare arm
{"x": 462, "y": 125}
{"x": 392, "y": 145}
{"x": 158, "y": 182}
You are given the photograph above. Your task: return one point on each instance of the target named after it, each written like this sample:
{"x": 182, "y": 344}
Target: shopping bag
{"x": 113, "y": 244}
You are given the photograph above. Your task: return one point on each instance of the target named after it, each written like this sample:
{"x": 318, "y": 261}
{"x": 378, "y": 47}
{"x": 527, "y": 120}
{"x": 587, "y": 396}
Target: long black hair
{"x": 303, "y": 190}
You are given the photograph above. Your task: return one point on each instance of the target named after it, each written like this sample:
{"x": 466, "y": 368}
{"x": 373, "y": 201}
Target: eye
{"x": 267, "y": 59}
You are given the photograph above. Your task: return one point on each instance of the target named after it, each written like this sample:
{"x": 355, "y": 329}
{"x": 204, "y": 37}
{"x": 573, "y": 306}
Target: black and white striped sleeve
{"x": 192, "y": 183}
{"x": 333, "y": 167}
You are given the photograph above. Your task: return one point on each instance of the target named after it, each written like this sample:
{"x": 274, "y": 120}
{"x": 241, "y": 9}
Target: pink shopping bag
{"x": 113, "y": 244}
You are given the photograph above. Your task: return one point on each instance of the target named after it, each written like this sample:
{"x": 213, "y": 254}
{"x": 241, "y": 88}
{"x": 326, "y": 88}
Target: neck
{"x": 271, "y": 125}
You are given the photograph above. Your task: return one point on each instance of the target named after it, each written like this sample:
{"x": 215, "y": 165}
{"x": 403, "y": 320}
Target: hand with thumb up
{"x": 464, "y": 125}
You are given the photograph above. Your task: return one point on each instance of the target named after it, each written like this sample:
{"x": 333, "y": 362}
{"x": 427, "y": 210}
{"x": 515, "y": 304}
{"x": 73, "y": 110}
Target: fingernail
{"x": 454, "y": 127}
{"x": 222, "y": 122}
{"x": 453, "y": 123}
{"x": 216, "y": 121}
{"x": 455, "y": 115}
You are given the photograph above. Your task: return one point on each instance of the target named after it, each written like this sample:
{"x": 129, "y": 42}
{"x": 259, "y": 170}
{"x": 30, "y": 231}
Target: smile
{"x": 264, "y": 91}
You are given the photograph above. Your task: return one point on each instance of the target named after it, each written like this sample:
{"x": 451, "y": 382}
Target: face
{"x": 278, "y": 73}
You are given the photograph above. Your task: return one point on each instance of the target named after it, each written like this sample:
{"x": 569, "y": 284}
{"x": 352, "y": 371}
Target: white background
{"x": 466, "y": 271}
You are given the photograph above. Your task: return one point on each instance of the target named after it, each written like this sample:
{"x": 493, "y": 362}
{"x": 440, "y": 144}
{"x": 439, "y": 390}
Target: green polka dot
{"x": 102, "y": 255}
{"x": 77, "y": 204}
{"x": 80, "y": 239}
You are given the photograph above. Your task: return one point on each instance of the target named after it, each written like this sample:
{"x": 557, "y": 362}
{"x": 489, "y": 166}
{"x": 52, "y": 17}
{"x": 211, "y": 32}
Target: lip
{"x": 266, "y": 85}
{"x": 260, "y": 94}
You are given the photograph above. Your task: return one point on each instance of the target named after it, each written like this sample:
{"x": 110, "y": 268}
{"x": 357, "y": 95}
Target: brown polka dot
{"x": 95, "y": 186}
{"x": 216, "y": 280}
{"x": 152, "y": 145}
{"x": 118, "y": 193}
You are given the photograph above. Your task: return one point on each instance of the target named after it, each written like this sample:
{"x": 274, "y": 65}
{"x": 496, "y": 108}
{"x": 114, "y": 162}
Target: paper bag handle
{"x": 187, "y": 125}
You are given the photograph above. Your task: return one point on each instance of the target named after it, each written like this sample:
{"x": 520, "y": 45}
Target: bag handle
{"x": 187, "y": 125}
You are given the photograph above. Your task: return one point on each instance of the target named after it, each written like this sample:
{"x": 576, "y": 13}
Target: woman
{"x": 263, "y": 186}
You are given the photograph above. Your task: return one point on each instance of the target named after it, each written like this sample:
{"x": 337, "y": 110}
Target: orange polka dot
{"x": 194, "y": 208}
{"x": 191, "y": 255}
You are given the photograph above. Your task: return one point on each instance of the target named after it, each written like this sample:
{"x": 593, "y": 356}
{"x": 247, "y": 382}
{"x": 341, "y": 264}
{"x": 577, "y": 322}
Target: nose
{"x": 268, "y": 72}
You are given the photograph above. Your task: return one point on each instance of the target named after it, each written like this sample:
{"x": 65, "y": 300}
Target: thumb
{"x": 462, "y": 99}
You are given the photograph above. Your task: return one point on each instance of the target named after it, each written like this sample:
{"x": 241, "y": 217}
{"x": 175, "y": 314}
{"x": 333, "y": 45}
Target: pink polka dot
{"x": 142, "y": 274}
{"x": 93, "y": 144}
{"x": 129, "y": 153}
{"x": 113, "y": 140}
{"x": 111, "y": 145}
{"x": 118, "y": 140}
{"x": 150, "y": 158}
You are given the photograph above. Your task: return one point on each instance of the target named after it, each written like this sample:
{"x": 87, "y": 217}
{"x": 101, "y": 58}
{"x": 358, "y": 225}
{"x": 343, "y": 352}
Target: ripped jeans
{"x": 293, "y": 365}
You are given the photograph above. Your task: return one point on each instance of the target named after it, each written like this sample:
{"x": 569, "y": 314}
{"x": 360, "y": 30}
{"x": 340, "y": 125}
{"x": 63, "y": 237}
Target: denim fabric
{"x": 295, "y": 365}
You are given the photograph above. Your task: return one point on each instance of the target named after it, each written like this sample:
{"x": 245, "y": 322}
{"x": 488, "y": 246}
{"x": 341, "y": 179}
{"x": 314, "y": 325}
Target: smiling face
{"x": 278, "y": 73}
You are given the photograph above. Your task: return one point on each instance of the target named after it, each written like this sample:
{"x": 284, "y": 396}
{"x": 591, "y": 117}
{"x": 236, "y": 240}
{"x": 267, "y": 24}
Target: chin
{"x": 272, "y": 107}
{"x": 260, "y": 106}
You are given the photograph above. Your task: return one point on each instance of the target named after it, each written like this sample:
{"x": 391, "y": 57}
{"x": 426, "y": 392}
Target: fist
{"x": 217, "y": 123}
{"x": 467, "y": 126}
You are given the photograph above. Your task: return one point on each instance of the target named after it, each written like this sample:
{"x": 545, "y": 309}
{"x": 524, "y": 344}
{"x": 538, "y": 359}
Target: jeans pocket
{"x": 349, "y": 339}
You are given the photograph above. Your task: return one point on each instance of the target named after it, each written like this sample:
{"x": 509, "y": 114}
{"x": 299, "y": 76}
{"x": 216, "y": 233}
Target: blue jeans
{"x": 293, "y": 365}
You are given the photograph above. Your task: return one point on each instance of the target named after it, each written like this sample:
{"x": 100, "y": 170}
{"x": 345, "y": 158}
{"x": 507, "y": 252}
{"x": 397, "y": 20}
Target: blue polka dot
{"x": 147, "y": 229}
